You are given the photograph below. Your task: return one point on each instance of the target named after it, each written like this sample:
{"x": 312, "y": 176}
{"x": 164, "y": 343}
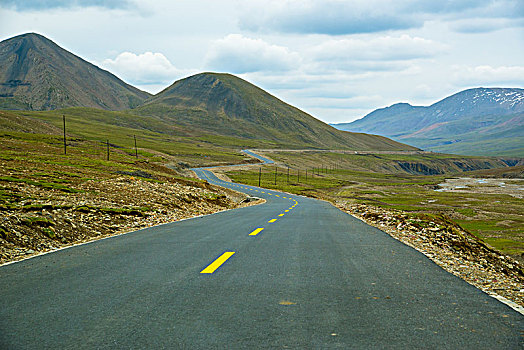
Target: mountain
{"x": 223, "y": 104}
{"x": 481, "y": 121}
{"x": 37, "y": 74}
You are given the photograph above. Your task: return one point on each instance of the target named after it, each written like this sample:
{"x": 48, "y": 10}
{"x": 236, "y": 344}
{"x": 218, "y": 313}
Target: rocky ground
{"x": 52, "y": 219}
{"x": 452, "y": 248}
{"x": 511, "y": 187}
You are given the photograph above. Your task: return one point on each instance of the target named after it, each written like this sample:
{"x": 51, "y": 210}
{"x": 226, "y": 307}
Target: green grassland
{"x": 495, "y": 218}
{"x": 119, "y": 128}
{"x": 38, "y": 160}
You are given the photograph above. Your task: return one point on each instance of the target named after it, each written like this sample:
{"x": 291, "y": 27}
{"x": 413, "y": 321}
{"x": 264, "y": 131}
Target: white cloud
{"x": 373, "y": 54}
{"x": 481, "y": 75}
{"x": 30, "y": 5}
{"x": 356, "y": 102}
{"x": 333, "y": 17}
{"x": 485, "y": 25}
{"x": 143, "y": 69}
{"x": 384, "y": 48}
{"x": 340, "y": 17}
{"x": 238, "y": 54}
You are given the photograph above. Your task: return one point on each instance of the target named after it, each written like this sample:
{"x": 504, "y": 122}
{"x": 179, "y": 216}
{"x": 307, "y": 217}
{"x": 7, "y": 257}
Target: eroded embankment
{"x": 47, "y": 219}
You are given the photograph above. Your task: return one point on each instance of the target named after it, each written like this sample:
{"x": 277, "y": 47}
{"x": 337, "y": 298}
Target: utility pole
{"x": 298, "y": 175}
{"x": 259, "y": 175}
{"x": 65, "y": 144}
{"x": 275, "y": 175}
{"x": 107, "y": 142}
{"x": 136, "y": 150}
{"x": 306, "y": 174}
{"x": 288, "y": 174}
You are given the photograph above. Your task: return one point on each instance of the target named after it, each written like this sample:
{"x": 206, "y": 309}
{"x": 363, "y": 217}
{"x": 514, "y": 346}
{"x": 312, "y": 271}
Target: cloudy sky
{"x": 337, "y": 60}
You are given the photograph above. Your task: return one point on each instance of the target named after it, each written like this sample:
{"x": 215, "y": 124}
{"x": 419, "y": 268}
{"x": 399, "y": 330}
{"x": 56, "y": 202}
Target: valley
{"x": 85, "y": 156}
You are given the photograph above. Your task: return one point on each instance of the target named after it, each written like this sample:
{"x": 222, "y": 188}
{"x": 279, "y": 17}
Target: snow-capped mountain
{"x": 474, "y": 121}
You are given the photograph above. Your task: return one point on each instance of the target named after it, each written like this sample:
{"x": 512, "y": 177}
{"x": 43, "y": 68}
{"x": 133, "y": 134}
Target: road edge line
{"x": 120, "y": 234}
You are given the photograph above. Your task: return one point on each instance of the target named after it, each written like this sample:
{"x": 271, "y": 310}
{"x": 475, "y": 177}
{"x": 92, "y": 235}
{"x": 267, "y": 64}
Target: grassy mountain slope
{"x": 476, "y": 121}
{"x": 222, "y": 104}
{"x": 37, "y": 74}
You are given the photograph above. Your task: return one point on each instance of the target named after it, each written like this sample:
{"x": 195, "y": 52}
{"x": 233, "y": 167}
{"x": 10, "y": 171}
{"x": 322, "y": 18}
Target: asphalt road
{"x": 314, "y": 278}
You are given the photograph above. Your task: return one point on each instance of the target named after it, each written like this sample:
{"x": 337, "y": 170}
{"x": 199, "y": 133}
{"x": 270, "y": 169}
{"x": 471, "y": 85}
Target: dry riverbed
{"x": 511, "y": 187}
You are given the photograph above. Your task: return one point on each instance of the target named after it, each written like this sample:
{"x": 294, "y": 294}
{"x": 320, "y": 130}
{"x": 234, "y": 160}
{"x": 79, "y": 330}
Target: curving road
{"x": 294, "y": 273}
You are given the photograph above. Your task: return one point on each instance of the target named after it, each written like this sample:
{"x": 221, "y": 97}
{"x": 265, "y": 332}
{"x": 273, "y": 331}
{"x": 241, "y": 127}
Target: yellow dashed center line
{"x": 256, "y": 232}
{"x": 216, "y": 264}
{"x": 211, "y": 268}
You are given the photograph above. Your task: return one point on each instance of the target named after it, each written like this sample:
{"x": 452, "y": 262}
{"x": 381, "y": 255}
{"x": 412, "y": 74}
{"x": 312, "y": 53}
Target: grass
{"x": 48, "y": 185}
{"x": 153, "y": 136}
{"x": 37, "y": 221}
{"x": 508, "y": 246}
{"x": 49, "y": 232}
{"x": 138, "y": 211}
{"x": 30, "y": 160}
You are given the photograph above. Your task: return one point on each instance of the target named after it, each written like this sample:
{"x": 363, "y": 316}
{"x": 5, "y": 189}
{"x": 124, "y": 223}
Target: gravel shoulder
{"x": 452, "y": 248}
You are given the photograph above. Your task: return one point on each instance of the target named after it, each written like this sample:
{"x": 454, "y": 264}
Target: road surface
{"x": 294, "y": 273}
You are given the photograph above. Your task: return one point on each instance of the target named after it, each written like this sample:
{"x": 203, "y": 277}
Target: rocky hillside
{"x": 37, "y": 74}
{"x": 482, "y": 121}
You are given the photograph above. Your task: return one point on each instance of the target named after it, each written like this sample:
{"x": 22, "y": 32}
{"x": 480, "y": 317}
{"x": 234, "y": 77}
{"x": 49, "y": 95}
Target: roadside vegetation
{"x": 49, "y": 199}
